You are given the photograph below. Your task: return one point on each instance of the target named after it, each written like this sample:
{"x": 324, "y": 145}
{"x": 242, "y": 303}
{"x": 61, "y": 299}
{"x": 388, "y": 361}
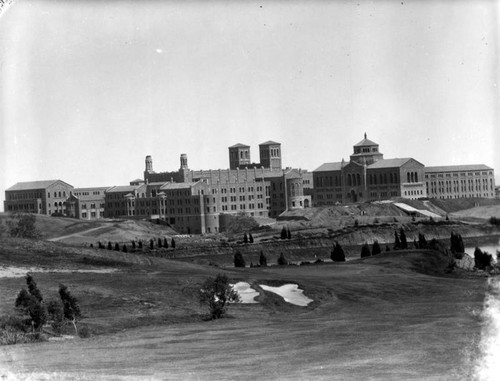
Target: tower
{"x": 184, "y": 161}
{"x": 270, "y": 155}
{"x": 366, "y": 151}
{"x": 239, "y": 156}
{"x": 149, "y": 164}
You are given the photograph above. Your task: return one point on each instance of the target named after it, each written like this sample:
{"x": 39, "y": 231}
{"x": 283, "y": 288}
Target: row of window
{"x": 458, "y": 174}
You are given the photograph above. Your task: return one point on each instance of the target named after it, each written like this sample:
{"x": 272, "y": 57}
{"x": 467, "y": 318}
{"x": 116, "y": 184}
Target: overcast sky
{"x": 89, "y": 88}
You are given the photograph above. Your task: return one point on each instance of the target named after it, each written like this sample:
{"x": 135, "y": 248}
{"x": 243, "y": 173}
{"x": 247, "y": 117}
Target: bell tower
{"x": 270, "y": 155}
{"x": 239, "y": 156}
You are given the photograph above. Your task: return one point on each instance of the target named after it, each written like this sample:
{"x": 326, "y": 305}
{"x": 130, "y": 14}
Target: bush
{"x": 456, "y": 243}
{"x": 376, "y": 248}
{"x": 262, "y": 259}
{"x": 365, "y": 251}
{"x": 23, "y": 226}
{"x": 71, "y": 308}
{"x": 217, "y": 293}
{"x": 494, "y": 221}
{"x": 282, "y": 260}
{"x": 482, "y": 260}
{"x": 402, "y": 238}
{"x": 337, "y": 254}
{"x": 239, "y": 261}
{"x": 55, "y": 315}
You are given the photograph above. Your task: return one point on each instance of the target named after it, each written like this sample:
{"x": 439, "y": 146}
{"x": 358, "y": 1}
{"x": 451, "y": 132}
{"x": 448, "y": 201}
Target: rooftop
{"x": 268, "y": 143}
{"x": 29, "y": 185}
{"x": 337, "y": 166}
{"x": 365, "y": 142}
{"x": 239, "y": 145}
{"x": 390, "y": 163}
{"x": 458, "y": 168}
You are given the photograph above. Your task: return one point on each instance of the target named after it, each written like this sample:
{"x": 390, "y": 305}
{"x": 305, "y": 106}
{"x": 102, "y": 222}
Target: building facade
{"x": 460, "y": 181}
{"x": 86, "y": 203}
{"x": 368, "y": 177}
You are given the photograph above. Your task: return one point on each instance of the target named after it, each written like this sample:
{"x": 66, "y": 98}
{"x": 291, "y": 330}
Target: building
{"x": 41, "y": 197}
{"x": 367, "y": 177}
{"x": 460, "y": 181}
{"x": 86, "y": 203}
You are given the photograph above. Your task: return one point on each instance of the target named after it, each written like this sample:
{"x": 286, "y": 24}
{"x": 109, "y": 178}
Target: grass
{"x": 393, "y": 316}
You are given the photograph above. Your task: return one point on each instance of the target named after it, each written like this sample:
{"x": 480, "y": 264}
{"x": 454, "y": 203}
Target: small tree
{"x": 117, "y": 246}
{"x": 239, "y": 261}
{"x": 172, "y": 243}
{"x": 160, "y": 243}
{"x": 262, "y": 259}
{"x": 165, "y": 243}
{"x": 140, "y": 245}
{"x": 288, "y": 234}
{"x": 482, "y": 260}
{"x": 133, "y": 245}
{"x": 284, "y": 233}
{"x": 33, "y": 288}
{"x": 71, "y": 309}
{"x": 250, "y": 237}
{"x": 22, "y": 225}
{"x": 402, "y": 236}
{"x": 55, "y": 313}
{"x": 422, "y": 242}
{"x": 376, "y": 248}
{"x": 282, "y": 260}
{"x": 151, "y": 244}
{"x": 365, "y": 251}
{"x": 337, "y": 254}
{"x": 124, "y": 248}
{"x": 245, "y": 238}
{"x": 217, "y": 293}
{"x": 397, "y": 242}
{"x": 110, "y": 247}
{"x": 32, "y": 308}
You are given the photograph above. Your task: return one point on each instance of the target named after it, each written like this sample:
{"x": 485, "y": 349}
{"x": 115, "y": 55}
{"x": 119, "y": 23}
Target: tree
{"x": 337, "y": 254}
{"x": 397, "y": 242}
{"x": 33, "y": 288}
{"x": 172, "y": 243}
{"x": 71, "y": 309}
{"x": 245, "y": 238}
{"x": 151, "y": 244}
{"x": 262, "y": 259}
{"x": 482, "y": 260}
{"x": 284, "y": 233}
{"x": 140, "y": 245}
{"x": 282, "y": 260}
{"x": 160, "y": 243}
{"x": 288, "y": 234}
{"x": 55, "y": 313}
{"x": 387, "y": 248}
{"x": 217, "y": 293}
{"x": 110, "y": 247}
{"x": 133, "y": 245}
{"x": 250, "y": 237}
{"x": 165, "y": 243}
{"x": 365, "y": 251}
{"x": 117, "y": 246}
{"x": 22, "y": 225}
{"x": 456, "y": 243}
{"x": 124, "y": 249}
{"x": 402, "y": 236}
{"x": 376, "y": 248}
{"x": 32, "y": 308}
{"x": 422, "y": 242}
{"x": 239, "y": 261}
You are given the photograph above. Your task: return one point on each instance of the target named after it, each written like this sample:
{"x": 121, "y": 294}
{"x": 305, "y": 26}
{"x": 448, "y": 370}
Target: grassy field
{"x": 395, "y": 316}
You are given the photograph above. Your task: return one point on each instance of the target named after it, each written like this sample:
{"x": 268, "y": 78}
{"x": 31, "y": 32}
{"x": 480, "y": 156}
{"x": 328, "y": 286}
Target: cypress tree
{"x": 117, "y": 247}
{"x": 124, "y": 249}
{"x": 365, "y": 251}
{"x": 404, "y": 243}
{"x": 33, "y": 288}
{"x": 250, "y": 237}
{"x": 262, "y": 259}
{"x": 160, "y": 243}
{"x": 397, "y": 242}
{"x": 165, "y": 243}
{"x": 282, "y": 260}
{"x": 151, "y": 244}
{"x": 172, "y": 243}
{"x": 239, "y": 261}
{"x": 337, "y": 254}
{"x": 283, "y": 233}
{"x": 110, "y": 247}
{"x": 245, "y": 238}
{"x": 288, "y": 234}
{"x": 376, "y": 248}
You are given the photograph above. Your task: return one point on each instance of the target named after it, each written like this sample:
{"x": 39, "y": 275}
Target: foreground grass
{"x": 389, "y": 317}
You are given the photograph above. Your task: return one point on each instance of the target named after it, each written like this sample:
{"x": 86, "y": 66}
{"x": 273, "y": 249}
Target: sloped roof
{"x": 457, "y": 168}
{"x": 337, "y": 166}
{"x": 390, "y": 163}
{"x": 239, "y": 145}
{"x": 177, "y": 185}
{"x": 122, "y": 188}
{"x": 269, "y": 143}
{"x": 28, "y": 185}
{"x": 366, "y": 142}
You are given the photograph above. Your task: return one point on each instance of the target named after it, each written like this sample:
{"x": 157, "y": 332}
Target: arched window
{"x": 391, "y": 179}
{"x": 358, "y": 177}
{"x": 408, "y": 175}
{"x": 349, "y": 182}
{"x": 385, "y": 178}
{"x": 412, "y": 177}
{"x": 416, "y": 177}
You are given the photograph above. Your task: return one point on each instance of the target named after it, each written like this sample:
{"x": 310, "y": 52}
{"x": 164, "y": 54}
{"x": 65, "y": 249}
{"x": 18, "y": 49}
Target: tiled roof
{"x": 177, "y": 185}
{"x": 239, "y": 145}
{"x": 28, "y": 185}
{"x": 122, "y": 188}
{"x": 337, "y": 166}
{"x": 268, "y": 143}
{"x": 389, "y": 163}
{"x": 365, "y": 142}
{"x": 457, "y": 168}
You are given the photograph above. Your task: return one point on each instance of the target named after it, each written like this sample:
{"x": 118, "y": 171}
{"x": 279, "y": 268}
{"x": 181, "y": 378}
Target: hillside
{"x": 147, "y": 323}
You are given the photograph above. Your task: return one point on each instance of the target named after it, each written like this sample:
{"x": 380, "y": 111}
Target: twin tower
{"x": 239, "y": 157}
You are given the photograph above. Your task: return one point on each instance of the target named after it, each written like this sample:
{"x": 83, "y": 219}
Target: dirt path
{"x": 78, "y": 234}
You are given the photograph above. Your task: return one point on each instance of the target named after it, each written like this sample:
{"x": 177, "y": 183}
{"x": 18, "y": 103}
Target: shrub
{"x": 250, "y": 237}
{"x": 482, "y": 260}
{"x": 22, "y": 225}
{"x": 284, "y": 233}
{"x": 239, "y": 261}
{"x": 402, "y": 237}
{"x": 262, "y": 259}
{"x": 282, "y": 260}
{"x": 160, "y": 243}
{"x": 110, "y": 247}
{"x": 217, "y": 293}
{"x": 397, "y": 241}
{"x": 71, "y": 309}
{"x": 117, "y": 247}
{"x": 55, "y": 315}
{"x": 165, "y": 243}
{"x": 422, "y": 242}
{"x": 337, "y": 254}
{"x": 172, "y": 243}
{"x": 365, "y": 251}
{"x": 376, "y": 248}
{"x": 124, "y": 248}
{"x": 456, "y": 243}
{"x": 245, "y": 238}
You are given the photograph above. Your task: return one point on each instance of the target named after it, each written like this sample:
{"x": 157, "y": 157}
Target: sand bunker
{"x": 247, "y": 294}
{"x": 18, "y": 272}
{"x": 291, "y": 293}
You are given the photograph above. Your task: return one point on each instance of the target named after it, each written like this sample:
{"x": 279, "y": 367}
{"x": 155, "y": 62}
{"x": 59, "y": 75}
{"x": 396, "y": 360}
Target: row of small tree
{"x": 247, "y": 238}
{"x": 239, "y": 261}
{"x": 160, "y": 243}
{"x": 35, "y": 312}
{"x": 285, "y": 233}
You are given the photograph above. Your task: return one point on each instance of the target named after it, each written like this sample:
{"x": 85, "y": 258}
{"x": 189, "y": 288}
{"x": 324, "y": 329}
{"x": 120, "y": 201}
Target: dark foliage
{"x": 133, "y": 245}
{"x": 387, "y": 248}
{"x": 23, "y": 226}
{"x": 456, "y": 243}
{"x": 482, "y": 260}
{"x": 262, "y": 259}
{"x": 288, "y": 234}
{"x": 365, "y": 251}
{"x": 217, "y": 293}
{"x": 33, "y": 288}
{"x": 165, "y": 243}
{"x": 397, "y": 242}
{"x": 402, "y": 237}
{"x": 376, "y": 248}
{"x": 282, "y": 260}
{"x": 160, "y": 243}
{"x": 239, "y": 261}
{"x": 284, "y": 233}
{"x": 140, "y": 244}
{"x": 71, "y": 308}
{"x": 55, "y": 313}
{"x": 172, "y": 243}
{"x": 110, "y": 247}
{"x": 124, "y": 248}
{"x": 337, "y": 254}
{"x": 495, "y": 221}
{"x": 245, "y": 238}
{"x": 117, "y": 246}
{"x": 250, "y": 237}
{"x": 422, "y": 242}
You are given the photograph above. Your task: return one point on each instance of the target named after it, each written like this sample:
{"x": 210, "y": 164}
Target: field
{"x": 394, "y": 316}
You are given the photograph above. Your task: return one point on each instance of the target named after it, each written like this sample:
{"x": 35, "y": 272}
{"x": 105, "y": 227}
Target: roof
{"x": 457, "y": 168}
{"x": 365, "y": 142}
{"x": 177, "y": 185}
{"x": 337, "y": 166}
{"x": 390, "y": 163}
{"x": 239, "y": 145}
{"x": 122, "y": 188}
{"x": 269, "y": 143}
{"x": 28, "y": 185}
{"x": 89, "y": 189}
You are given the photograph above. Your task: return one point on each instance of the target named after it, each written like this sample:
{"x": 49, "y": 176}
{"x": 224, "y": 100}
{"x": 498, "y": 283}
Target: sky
{"x": 89, "y": 88}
